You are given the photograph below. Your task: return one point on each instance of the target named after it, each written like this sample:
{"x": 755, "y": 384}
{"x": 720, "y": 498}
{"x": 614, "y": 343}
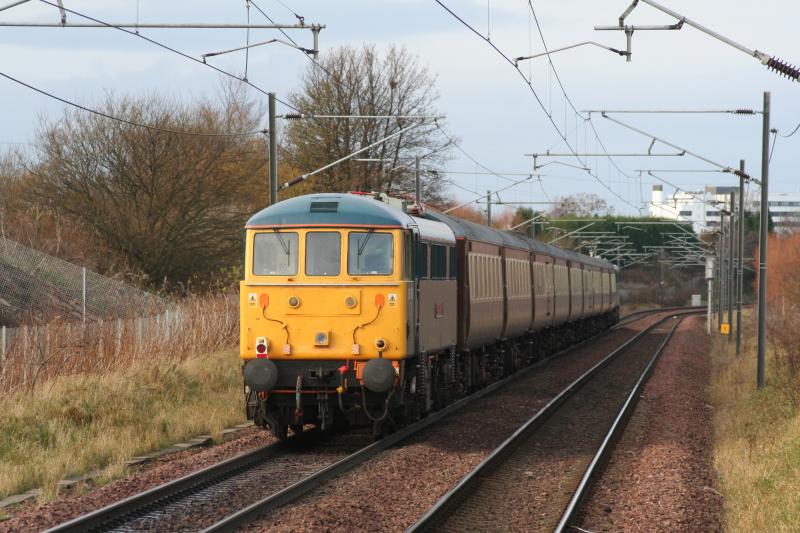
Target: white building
{"x": 702, "y": 208}
{"x": 784, "y": 208}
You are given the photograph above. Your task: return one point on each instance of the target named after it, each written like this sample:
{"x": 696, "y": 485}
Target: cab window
{"x": 438, "y": 261}
{"x": 408, "y": 255}
{"x": 370, "y": 253}
{"x": 323, "y": 253}
{"x": 275, "y": 254}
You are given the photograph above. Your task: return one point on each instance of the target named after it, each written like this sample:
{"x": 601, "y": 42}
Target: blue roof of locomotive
{"x": 361, "y": 210}
{"x": 327, "y": 209}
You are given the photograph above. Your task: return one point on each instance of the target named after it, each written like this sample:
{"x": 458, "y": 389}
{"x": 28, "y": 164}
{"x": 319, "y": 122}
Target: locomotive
{"x": 358, "y": 311}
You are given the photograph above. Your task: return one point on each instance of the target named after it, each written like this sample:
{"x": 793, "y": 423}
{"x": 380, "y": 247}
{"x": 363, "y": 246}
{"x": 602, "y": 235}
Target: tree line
{"x": 167, "y": 208}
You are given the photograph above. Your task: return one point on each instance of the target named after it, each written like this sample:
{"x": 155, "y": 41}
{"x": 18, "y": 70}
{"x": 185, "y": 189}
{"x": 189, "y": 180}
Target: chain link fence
{"x": 57, "y": 318}
{"x": 36, "y": 288}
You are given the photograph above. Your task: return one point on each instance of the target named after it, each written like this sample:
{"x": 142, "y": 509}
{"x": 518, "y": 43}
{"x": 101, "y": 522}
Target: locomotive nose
{"x": 260, "y": 374}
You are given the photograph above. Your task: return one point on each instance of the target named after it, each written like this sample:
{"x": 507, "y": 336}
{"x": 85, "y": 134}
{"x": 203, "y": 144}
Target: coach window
{"x": 323, "y": 253}
{"x": 370, "y": 253}
{"x": 275, "y": 254}
{"x": 452, "y": 261}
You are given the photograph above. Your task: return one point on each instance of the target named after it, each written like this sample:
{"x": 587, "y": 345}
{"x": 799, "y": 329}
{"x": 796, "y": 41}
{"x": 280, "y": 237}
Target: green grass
{"x": 757, "y": 445}
{"x": 78, "y": 424}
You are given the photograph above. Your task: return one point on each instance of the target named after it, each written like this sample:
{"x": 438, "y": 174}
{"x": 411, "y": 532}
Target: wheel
{"x": 279, "y": 430}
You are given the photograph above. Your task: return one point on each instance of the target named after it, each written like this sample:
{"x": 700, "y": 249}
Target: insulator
{"x": 783, "y": 68}
{"x": 743, "y": 112}
{"x": 292, "y": 116}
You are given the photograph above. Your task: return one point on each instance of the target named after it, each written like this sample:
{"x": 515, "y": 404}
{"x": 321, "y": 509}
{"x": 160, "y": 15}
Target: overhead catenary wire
{"x": 569, "y": 100}
{"x": 533, "y": 93}
{"x": 337, "y": 80}
{"x": 725, "y": 168}
{"x": 126, "y": 121}
{"x": 303, "y": 177}
{"x": 793, "y": 132}
{"x": 481, "y": 196}
{"x": 468, "y": 156}
{"x": 774, "y": 142}
{"x": 170, "y": 49}
{"x": 324, "y": 69}
{"x": 309, "y": 56}
{"x": 293, "y": 12}
{"x": 741, "y": 111}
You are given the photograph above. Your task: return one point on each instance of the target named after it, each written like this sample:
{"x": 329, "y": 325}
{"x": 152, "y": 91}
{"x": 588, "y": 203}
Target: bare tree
{"x": 581, "y": 205}
{"x": 359, "y": 81}
{"x": 172, "y": 205}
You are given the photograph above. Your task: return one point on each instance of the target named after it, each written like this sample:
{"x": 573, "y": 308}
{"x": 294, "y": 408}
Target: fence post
{"x": 83, "y": 295}
{"x": 43, "y": 347}
{"x": 25, "y": 355}
{"x": 119, "y": 337}
{"x": 2, "y": 356}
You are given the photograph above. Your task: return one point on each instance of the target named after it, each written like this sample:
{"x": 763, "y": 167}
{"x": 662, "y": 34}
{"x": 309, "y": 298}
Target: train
{"x": 361, "y": 309}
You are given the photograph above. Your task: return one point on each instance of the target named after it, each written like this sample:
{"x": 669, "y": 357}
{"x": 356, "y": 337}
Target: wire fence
{"x": 34, "y": 354}
{"x": 36, "y": 288}
{"x": 57, "y": 319}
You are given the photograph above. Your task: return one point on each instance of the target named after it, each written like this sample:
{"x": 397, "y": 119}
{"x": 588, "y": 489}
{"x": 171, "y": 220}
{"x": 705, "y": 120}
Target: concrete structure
{"x": 784, "y": 207}
{"x": 702, "y": 207}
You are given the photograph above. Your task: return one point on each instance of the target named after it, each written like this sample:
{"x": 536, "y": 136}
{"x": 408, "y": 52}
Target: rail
{"x": 144, "y": 502}
{"x": 452, "y": 499}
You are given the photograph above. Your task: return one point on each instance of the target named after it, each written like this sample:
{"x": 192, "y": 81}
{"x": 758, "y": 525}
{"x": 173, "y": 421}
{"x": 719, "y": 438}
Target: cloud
{"x": 60, "y": 64}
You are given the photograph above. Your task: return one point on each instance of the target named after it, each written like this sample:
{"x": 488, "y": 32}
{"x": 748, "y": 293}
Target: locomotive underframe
{"x": 327, "y": 393}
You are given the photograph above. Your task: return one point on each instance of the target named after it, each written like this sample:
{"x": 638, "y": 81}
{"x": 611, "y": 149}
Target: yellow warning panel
{"x": 725, "y": 329}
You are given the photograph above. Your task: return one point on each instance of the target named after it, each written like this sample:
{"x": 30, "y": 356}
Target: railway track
{"x": 195, "y": 501}
{"x": 292, "y": 468}
{"x": 537, "y": 478}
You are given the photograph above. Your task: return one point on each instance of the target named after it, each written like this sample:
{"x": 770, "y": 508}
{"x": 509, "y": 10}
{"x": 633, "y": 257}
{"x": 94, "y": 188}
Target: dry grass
{"x": 76, "y": 424}
{"x": 757, "y": 441}
{"x": 195, "y": 325}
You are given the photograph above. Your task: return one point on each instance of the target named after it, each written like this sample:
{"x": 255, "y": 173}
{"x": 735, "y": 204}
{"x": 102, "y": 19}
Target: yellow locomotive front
{"x": 325, "y": 316}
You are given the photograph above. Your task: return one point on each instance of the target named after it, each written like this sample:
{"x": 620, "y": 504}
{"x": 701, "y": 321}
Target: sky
{"x": 488, "y": 105}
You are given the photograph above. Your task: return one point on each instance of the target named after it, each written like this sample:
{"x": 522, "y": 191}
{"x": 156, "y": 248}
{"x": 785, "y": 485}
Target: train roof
{"x": 331, "y": 209}
{"x": 479, "y": 232}
{"x": 362, "y": 210}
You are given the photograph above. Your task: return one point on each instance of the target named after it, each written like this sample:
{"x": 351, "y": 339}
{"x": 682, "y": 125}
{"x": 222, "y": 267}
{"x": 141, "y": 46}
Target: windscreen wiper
{"x": 365, "y": 241}
{"x": 286, "y": 246}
